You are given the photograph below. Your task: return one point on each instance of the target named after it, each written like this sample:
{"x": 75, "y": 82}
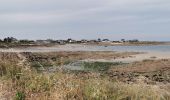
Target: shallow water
{"x": 73, "y": 47}
{"x": 153, "y": 48}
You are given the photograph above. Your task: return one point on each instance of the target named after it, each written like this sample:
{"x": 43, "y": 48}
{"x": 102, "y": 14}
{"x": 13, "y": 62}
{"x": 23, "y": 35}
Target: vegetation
{"x": 99, "y": 66}
{"x": 20, "y": 81}
{"x": 20, "y": 96}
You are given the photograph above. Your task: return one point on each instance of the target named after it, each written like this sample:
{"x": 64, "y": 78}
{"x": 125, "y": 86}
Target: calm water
{"x": 155, "y": 48}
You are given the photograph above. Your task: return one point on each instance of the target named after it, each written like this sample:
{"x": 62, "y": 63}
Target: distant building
{"x": 61, "y": 42}
{"x": 84, "y": 41}
{"x": 71, "y": 40}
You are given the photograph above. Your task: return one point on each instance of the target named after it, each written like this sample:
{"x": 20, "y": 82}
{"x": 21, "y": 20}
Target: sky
{"x": 85, "y": 19}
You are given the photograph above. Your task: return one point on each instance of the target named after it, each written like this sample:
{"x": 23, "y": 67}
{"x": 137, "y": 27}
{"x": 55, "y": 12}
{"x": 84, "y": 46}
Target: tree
{"x": 10, "y": 40}
{"x": 99, "y": 40}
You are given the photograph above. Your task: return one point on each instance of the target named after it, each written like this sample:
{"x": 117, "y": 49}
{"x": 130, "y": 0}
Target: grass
{"x": 20, "y": 96}
{"x": 73, "y": 87}
{"x": 28, "y": 84}
{"x": 99, "y": 66}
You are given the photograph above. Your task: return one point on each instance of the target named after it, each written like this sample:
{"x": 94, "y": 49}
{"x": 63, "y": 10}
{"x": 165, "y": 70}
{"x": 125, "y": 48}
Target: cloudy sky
{"x": 59, "y": 19}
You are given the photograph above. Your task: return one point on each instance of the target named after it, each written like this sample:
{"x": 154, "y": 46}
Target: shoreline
{"x": 110, "y": 43}
{"x": 153, "y": 55}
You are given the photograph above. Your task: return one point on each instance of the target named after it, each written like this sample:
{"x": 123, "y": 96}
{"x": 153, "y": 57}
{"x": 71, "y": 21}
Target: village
{"x": 62, "y": 42}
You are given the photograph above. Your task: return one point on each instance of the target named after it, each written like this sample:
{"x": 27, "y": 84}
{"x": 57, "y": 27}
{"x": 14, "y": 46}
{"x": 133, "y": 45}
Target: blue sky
{"x": 90, "y": 19}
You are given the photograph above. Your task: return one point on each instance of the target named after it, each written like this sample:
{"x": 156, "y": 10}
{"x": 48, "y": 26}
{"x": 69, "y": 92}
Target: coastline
{"x": 148, "y": 54}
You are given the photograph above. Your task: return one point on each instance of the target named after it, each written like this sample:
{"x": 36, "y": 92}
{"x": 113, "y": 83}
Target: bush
{"x": 20, "y": 96}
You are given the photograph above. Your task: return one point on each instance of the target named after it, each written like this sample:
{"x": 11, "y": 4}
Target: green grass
{"x": 20, "y": 96}
{"x": 99, "y": 66}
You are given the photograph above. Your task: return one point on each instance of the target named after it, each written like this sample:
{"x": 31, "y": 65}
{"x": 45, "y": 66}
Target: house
{"x": 71, "y": 40}
{"x": 84, "y": 41}
{"x": 61, "y": 42}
